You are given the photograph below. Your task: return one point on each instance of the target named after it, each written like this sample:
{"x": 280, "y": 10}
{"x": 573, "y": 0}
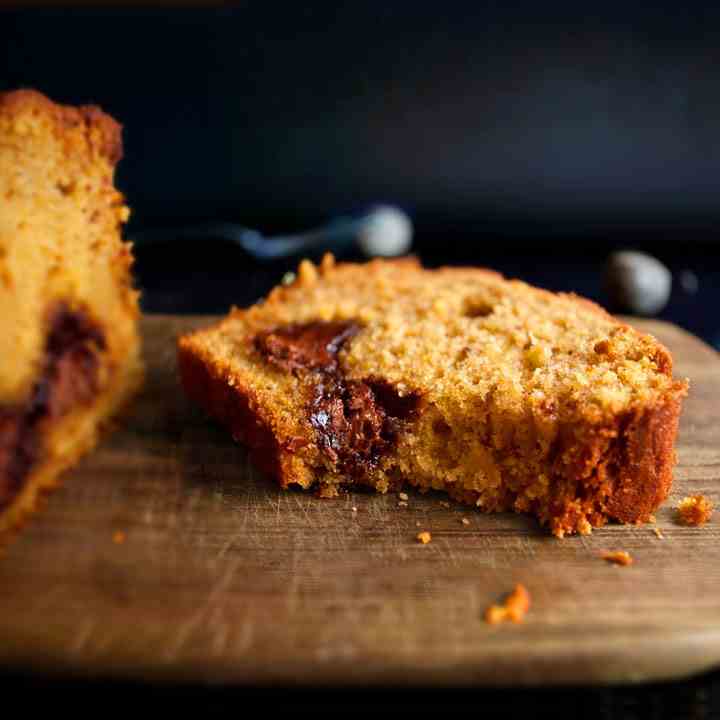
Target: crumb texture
{"x": 504, "y": 396}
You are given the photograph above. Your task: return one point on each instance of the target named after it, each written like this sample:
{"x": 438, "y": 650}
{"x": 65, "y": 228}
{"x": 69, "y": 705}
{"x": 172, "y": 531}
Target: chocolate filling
{"x": 69, "y": 379}
{"x": 355, "y": 421}
{"x": 312, "y": 346}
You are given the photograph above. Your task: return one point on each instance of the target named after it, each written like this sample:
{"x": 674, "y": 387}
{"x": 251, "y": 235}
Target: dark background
{"x": 523, "y": 120}
{"x": 532, "y": 137}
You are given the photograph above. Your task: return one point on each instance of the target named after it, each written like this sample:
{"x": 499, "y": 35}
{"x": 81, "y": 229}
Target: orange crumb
{"x": 617, "y": 557}
{"x": 694, "y": 510}
{"x": 424, "y": 537}
{"x": 658, "y": 533}
{"x": 327, "y": 491}
{"x": 652, "y": 519}
{"x": 496, "y": 614}
{"x": 516, "y": 605}
{"x": 118, "y": 537}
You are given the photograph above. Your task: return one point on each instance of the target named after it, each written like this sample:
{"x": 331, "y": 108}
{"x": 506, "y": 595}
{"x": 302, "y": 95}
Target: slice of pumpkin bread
{"x": 68, "y": 313}
{"x": 505, "y": 396}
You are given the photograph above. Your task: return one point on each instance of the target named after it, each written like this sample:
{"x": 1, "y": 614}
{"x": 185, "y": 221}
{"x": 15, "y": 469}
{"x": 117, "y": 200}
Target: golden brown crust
{"x": 239, "y": 409}
{"x": 621, "y": 471}
{"x": 100, "y": 130}
{"x": 641, "y": 470}
{"x": 235, "y": 407}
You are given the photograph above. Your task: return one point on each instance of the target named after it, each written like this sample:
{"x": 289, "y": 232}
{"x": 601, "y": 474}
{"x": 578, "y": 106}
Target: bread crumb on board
{"x": 694, "y": 510}
{"x": 465, "y": 521}
{"x": 617, "y": 557}
{"x": 327, "y": 492}
{"x": 404, "y": 497}
{"x": 658, "y": 533}
{"x": 513, "y": 609}
{"x": 424, "y": 537}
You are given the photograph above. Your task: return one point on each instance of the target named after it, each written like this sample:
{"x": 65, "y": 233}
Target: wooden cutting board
{"x": 223, "y": 578}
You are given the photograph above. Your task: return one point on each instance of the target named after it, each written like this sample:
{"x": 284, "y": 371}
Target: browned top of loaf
{"x": 94, "y": 129}
{"x": 456, "y": 336}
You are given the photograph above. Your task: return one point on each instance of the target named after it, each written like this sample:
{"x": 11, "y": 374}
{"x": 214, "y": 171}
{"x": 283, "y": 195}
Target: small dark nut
{"x": 602, "y": 347}
{"x": 637, "y": 283}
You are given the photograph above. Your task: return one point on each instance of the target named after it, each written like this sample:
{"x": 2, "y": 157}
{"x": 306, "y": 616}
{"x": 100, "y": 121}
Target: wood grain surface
{"x": 223, "y": 578}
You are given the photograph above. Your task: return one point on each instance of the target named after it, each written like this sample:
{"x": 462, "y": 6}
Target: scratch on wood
{"x": 292, "y": 592}
{"x": 220, "y": 632}
{"x": 228, "y": 544}
{"x": 242, "y": 532}
{"x": 447, "y": 551}
{"x": 305, "y": 512}
{"x": 245, "y": 635}
{"x": 84, "y": 633}
{"x": 200, "y": 616}
{"x": 584, "y": 541}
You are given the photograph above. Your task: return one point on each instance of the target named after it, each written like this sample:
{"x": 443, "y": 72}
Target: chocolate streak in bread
{"x": 354, "y": 421}
{"x": 69, "y": 379}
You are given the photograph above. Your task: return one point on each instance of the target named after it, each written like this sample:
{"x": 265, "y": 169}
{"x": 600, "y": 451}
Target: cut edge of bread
{"x": 67, "y": 442}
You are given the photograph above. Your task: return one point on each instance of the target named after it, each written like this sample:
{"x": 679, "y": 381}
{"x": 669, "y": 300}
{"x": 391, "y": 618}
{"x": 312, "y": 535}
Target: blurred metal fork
{"x": 384, "y": 231}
